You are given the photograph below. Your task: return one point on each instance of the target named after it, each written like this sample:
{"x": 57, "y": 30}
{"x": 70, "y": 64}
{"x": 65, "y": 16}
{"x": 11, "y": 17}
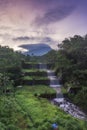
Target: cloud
{"x": 17, "y": 16}
{"x": 36, "y": 39}
{"x": 51, "y": 42}
{"x": 48, "y": 40}
{"x": 36, "y": 49}
{"x": 4, "y": 2}
{"x": 54, "y": 15}
{"x": 25, "y": 38}
{"x": 38, "y": 12}
{"x": 5, "y": 28}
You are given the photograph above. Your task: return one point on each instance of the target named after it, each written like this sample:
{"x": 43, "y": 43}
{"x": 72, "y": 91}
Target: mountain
{"x": 36, "y": 49}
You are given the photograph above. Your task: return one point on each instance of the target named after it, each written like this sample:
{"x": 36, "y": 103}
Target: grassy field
{"x": 32, "y": 70}
{"x": 24, "y": 111}
{"x": 38, "y": 89}
{"x": 34, "y": 78}
{"x": 27, "y": 109}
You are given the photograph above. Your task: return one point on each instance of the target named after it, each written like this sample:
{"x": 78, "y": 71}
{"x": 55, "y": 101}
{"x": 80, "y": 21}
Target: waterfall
{"x": 59, "y": 95}
{"x": 60, "y": 100}
{"x": 42, "y": 66}
{"x": 54, "y": 82}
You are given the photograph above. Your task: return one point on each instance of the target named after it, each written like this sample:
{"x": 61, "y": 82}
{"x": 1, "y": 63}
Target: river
{"x": 60, "y": 101}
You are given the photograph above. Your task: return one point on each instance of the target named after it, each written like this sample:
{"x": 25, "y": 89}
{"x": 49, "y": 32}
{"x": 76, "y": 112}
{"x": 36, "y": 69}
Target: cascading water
{"x": 54, "y": 83}
{"x": 42, "y": 66}
{"x": 60, "y": 100}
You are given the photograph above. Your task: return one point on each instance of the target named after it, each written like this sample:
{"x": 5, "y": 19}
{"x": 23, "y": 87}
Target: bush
{"x": 72, "y": 125}
{"x": 12, "y": 127}
{"x": 2, "y": 126}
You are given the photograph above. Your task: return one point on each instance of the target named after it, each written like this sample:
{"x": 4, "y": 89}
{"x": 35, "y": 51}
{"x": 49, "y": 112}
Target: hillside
{"x": 25, "y": 106}
{"x": 70, "y": 64}
{"x": 36, "y": 49}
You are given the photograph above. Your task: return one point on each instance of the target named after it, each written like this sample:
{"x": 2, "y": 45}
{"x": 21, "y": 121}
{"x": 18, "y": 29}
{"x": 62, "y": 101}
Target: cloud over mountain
{"x": 26, "y": 38}
{"x": 36, "y": 49}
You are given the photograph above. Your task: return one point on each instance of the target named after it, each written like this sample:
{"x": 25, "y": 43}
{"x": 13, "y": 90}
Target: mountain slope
{"x": 36, "y": 49}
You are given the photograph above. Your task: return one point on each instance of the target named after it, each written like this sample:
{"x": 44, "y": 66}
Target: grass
{"x": 11, "y": 114}
{"x": 32, "y": 62}
{"x": 44, "y": 114}
{"x": 38, "y": 89}
{"x": 27, "y": 112}
{"x": 35, "y": 78}
{"x": 64, "y": 90}
{"x": 32, "y": 70}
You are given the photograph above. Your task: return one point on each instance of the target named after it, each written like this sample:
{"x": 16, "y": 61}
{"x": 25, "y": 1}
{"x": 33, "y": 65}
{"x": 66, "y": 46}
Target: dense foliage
{"x": 9, "y": 58}
{"x": 71, "y": 67}
{"x": 24, "y": 111}
{"x": 10, "y": 64}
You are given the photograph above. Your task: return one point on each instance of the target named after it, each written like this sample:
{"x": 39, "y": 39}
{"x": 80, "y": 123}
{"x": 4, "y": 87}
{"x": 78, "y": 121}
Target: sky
{"x": 41, "y": 21}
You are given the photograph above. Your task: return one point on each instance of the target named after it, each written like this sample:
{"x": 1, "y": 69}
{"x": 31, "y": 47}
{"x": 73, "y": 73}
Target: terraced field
{"x": 28, "y": 112}
{"x": 28, "y": 108}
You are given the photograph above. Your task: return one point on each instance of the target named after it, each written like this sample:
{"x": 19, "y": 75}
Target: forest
{"x": 70, "y": 64}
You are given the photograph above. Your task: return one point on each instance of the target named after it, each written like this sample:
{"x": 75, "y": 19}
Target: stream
{"x": 60, "y": 101}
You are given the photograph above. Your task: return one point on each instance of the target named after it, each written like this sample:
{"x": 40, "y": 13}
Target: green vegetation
{"x": 25, "y": 111}
{"x": 70, "y": 64}
{"x": 23, "y": 107}
{"x": 11, "y": 115}
{"x": 29, "y": 70}
{"x": 40, "y": 91}
{"x": 34, "y": 73}
{"x": 32, "y": 70}
{"x": 34, "y": 78}
{"x": 10, "y": 64}
{"x": 9, "y": 58}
